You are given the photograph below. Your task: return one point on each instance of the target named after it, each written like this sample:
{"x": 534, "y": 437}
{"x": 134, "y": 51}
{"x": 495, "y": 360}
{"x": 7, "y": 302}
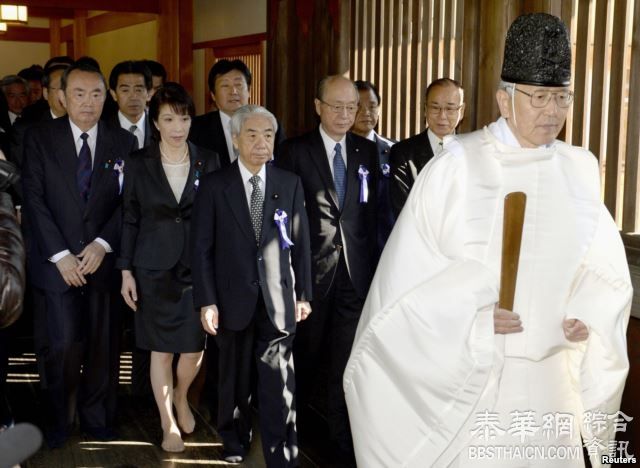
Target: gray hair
{"x": 14, "y": 79}
{"x": 507, "y": 86}
{"x": 241, "y": 115}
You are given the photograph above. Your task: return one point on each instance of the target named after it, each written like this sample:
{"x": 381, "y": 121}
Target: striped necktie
{"x": 339, "y": 175}
{"x": 83, "y": 172}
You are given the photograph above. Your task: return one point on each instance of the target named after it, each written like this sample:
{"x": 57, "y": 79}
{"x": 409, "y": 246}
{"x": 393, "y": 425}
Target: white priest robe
{"x": 426, "y": 366}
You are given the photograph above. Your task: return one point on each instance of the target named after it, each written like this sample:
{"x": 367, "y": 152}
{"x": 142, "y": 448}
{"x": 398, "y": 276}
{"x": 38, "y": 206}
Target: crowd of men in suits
{"x": 342, "y": 184}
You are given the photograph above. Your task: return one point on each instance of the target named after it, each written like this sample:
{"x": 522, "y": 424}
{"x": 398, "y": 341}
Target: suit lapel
{"x": 218, "y": 132}
{"x": 101, "y": 158}
{"x": 156, "y": 171}
{"x": 237, "y": 199}
{"x": 195, "y": 164}
{"x": 354, "y": 160}
{"x": 67, "y": 157}
{"x": 319, "y": 157}
{"x": 271, "y": 201}
{"x": 147, "y": 130}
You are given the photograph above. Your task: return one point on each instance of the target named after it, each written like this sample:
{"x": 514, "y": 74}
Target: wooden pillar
{"x": 307, "y": 40}
{"x": 79, "y": 33}
{"x": 54, "y": 37}
{"x": 185, "y": 58}
{"x": 493, "y": 30}
{"x": 470, "y": 56}
{"x": 168, "y": 29}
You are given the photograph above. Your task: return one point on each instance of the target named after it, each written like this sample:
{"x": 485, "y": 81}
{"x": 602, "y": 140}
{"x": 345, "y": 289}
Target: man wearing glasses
{"x": 550, "y": 372}
{"x": 339, "y": 176}
{"x": 444, "y": 109}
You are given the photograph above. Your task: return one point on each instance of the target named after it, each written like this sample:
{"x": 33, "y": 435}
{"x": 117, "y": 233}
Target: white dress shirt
{"x": 91, "y": 141}
{"x": 126, "y": 124}
{"x": 330, "y": 148}
{"x": 436, "y": 143}
{"x": 226, "y": 127}
{"x": 246, "y": 174}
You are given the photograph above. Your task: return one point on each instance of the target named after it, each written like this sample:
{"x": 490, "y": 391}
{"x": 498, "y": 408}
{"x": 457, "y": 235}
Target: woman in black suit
{"x": 160, "y": 184}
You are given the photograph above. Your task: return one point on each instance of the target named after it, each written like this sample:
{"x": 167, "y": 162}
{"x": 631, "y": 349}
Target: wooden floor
{"x": 140, "y": 426}
{"x": 139, "y": 431}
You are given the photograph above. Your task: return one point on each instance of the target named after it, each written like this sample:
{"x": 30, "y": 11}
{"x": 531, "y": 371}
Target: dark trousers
{"x": 79, "y": 328}
{"x": 271, "y": 349}
{"x": 5, "y": 411}
{"x": 330, "y": 328}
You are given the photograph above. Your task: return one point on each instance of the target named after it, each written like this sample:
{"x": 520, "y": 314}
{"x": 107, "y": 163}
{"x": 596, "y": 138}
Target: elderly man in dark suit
{"x": 73, "y": 198}
{"x": 444, "y": 109}
{"x": 252, "y": 281}
{"x": 339, "y": 173}
{"x": 229, "y": 86}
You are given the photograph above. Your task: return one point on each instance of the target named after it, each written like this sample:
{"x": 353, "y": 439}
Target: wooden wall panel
{"x": 631, "y": 215}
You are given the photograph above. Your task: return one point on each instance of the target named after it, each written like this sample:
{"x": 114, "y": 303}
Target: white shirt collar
{"x": 330, "y": 143}
{"x": 126, "y": 123}
{"x": 246, "y": 174}
{"x": 226, "y": 127}
{"x": 92, "y": 132}
{"x": 12, "y": 117}
{"x": 139, "y": 132}
{"x": 436, "y": 143}
{"x": 91, "y": 141}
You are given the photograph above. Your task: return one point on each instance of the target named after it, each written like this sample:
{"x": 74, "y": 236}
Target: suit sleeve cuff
{"x": 59, "y": 256}
{"x": 104, "y": 244}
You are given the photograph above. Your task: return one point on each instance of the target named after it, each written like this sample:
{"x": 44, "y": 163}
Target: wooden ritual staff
{"x": 514, "y": 207}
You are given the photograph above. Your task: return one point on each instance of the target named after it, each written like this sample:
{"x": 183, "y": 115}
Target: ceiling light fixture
{"x": 14, "y": 14}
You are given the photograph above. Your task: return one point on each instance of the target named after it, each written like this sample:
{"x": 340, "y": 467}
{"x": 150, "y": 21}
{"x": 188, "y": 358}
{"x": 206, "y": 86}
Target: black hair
{"x": 137, "y": 67}
{"x": 46, "y": 78}
{"x": 224, "y": 66}
{"x": 174, "y": 95}
{"x": 85, "y": 64}
{"x": 363, "y": 85}
{"x": 33, "y": 73}
{"x": 59, "y": 60}
{"x": 441, "y": 82}
{"x": 157, "y": 69}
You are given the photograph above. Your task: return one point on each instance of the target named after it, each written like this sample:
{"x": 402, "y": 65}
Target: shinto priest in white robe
{"x": 426, "y": 364}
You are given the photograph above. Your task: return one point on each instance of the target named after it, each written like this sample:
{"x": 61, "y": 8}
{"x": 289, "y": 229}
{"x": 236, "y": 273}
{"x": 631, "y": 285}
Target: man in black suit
{"x": 339, "y": 174}
{"x": 229, "y": 85}
{"x": 364, "y": 125}
{"x": 16, "y": 91}
{"x": 73, "y": 203}
{"x": 252, "y": 281}
{"x": 51, "y": 108}
{"x": 444, "y": 109}
{"x": 130, "y": 86}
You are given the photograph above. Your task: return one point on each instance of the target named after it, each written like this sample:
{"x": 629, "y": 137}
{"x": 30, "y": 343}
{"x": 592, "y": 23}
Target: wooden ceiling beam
{"x": 108, "y": 22}
{"x": 138, "y": 6}
{"x": 50, "y": 12}
{"x": 25, "y": 34}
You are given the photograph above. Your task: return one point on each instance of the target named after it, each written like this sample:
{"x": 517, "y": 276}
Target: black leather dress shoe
{"x": 56, "y": 438}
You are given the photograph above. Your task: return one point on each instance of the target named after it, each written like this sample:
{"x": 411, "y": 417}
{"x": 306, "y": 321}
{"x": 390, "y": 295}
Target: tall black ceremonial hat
{"x": 537, "y": 51}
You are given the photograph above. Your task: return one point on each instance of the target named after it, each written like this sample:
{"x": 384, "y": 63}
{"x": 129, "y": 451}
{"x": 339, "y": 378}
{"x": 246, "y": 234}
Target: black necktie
{"x": 257, "y": 202}
{"x": 83, "y": 173}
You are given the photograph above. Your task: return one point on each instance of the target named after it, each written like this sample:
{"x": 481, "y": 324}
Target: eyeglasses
{"x": 350, "y": 108}
{"x": 540, "y": 97}
{"x": 449, "y": 111}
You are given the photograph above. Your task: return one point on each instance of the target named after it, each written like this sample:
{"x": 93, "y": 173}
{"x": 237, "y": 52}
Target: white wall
{"x": 19, "y": 55}
{"x": 220, "y": 19}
